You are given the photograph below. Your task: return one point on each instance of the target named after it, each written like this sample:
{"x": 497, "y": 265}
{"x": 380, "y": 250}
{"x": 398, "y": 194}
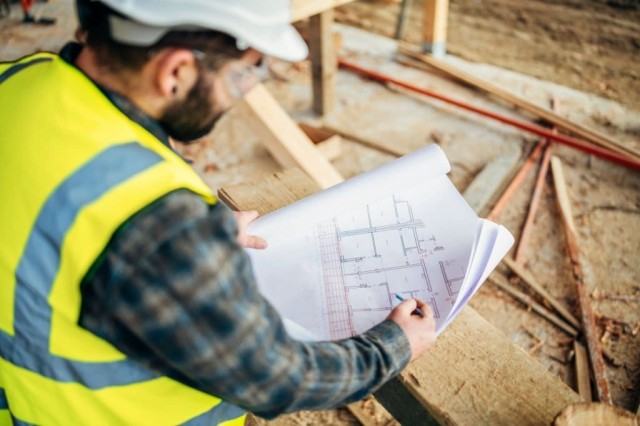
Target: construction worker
{"x": 126, "y": 296}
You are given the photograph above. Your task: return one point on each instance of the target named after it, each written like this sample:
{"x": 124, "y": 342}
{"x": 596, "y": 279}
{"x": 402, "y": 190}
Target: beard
{"x": 194, "y": 117}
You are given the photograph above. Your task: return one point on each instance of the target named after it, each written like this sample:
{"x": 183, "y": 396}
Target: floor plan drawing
{"x": 370, "y": 254}
{"x": 337, "y": 259}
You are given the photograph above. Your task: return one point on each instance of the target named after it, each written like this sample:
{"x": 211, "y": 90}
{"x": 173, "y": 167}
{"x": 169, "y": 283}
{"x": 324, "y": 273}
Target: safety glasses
{"x": 238, "y": 76}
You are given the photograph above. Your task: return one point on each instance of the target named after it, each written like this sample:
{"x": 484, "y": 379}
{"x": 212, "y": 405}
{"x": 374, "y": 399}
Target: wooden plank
{"x": 517, "y": 181}
{"x": 561, "y": 122}
{"x": 528, "y": 279}
{"x": 504, "y": 285}
{"x": 331, "y": 148}
{"x": 493, "y": 178}
{"x": 324, "y": 65}
{"x": 359, "y": 413}
{"x": 589, "y": 326}
{"x": 327, "y": 143}
{"x": 302, "y": 9}
{"x": 382, "y": 146}
{"x": 284, "y": 139}
{"x": 533, "y": 205}
{"x": 583, "y": 378}
{"x": 434, "y": 28}
{"x": 474, "y": 374}
{"x": 401, "y": 24}
{"x": 595, "y": 414}
{"x": 269, "y": 193}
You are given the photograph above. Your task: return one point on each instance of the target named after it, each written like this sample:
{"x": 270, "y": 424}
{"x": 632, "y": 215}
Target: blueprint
{"x": 336, "y": 260}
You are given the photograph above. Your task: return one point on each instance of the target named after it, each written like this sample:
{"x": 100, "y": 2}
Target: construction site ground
{"x": 596, "y": 82}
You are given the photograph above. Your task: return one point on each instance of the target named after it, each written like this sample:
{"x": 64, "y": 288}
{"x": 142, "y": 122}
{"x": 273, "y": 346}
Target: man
{"x": 28, "y": 18}
{"x": 125, "y": 294}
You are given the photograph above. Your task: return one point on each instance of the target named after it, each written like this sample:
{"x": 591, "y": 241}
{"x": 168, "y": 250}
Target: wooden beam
{"x": 302, "y": 9}
{"x": 533, "y": 205}
{"x": 474, "y": 374}
{"x": 588, "y": 321}
{"x": 517, "y": 181}
{"x": 382, "y": 146}
{"x": 434, "y": 29}
{"x": 491, "y": 181}
{"x": 284, "y": 139}
{"x": 583, "y": 378}
{"x": 270, "y": 192}
{"x": 562, "y": 123}
{"x": 324, "y": 66}
{"x": 595, "y": 414}
{"x": 504, "y": 285}
{"x": 528, "y": 279}
{"x": 327, "y": 143}
{"x": 401, "y": 24}
{"x": 361, "y": 414}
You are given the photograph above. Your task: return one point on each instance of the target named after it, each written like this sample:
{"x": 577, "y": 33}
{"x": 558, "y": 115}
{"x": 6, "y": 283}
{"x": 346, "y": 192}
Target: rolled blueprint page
{"x": 389, "y": 178}
{"x": 336, "y": 259}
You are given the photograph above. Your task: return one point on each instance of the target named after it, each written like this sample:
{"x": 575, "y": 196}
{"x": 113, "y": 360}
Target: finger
{"x": 424, "y": 307}
{"x": 407, "y": 307}
{"x": 255, "y": 242}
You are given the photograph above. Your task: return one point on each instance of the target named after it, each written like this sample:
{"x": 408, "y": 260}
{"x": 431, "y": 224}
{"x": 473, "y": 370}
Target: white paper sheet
{"x": 336, "y": 259}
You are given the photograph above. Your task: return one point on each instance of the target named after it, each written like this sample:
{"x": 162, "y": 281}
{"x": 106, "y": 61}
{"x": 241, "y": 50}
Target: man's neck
{"x": 130, "y": 85}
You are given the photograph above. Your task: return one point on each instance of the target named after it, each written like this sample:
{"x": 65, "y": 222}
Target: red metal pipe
{"x": 532, "y": 128}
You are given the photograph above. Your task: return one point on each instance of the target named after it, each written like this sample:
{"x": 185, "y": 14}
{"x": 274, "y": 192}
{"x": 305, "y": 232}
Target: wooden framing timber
{"x": 474, "y": 374}
{"x": 491, "y": 181}
{"x": 528, "y": 279}
{"x": 589, "y": 327}
{"x": 583, "y": 378}
{"x": 553, "y": 118}
{"x": 284, "y": 139}
{"x": 302, "y": 9}
{"x": 385, "y": 147}
{"x": 533, "y": 205}
{"x": 327, "y": 143}
{"x": 502, "y": 283}
{"x": 434, "y": 27}
{"x": 324, "y": 66}
{"x": 595, "y": 414}
{"x": 517, "y": 181}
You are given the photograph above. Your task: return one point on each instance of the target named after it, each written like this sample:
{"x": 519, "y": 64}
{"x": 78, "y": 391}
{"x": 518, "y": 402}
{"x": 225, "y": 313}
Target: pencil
{"x": 417, "y": 311}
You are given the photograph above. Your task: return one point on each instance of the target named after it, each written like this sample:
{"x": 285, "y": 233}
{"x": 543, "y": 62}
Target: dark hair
{"x": 218, "y": 47}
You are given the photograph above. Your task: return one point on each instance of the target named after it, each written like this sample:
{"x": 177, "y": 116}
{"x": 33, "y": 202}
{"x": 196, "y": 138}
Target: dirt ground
{"x": 589, "y": 45}
{"x": 584, "y": 45}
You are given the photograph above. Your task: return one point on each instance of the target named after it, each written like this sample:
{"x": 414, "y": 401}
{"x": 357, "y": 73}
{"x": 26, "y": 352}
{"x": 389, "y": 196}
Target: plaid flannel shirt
{"x": 175, "y": 292}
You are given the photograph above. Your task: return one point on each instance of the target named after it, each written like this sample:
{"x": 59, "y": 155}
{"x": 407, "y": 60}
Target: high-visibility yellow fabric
{"x": 58, "y": 130}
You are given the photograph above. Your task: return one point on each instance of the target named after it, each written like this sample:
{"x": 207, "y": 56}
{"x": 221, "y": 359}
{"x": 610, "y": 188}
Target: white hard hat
{"x": 261, "y": 24}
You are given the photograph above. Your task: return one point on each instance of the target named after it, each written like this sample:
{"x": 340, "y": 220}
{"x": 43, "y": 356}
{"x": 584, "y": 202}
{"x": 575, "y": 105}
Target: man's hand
{"x": 421, "y": 331}
{"x": 248, "y": 241}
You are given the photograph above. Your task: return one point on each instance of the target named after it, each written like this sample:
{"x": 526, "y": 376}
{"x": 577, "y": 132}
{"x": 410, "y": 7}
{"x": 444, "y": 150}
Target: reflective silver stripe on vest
{"x": 221, "y": 413}
{"x": 19, "y": 67}
{"x": 38, "y": 268}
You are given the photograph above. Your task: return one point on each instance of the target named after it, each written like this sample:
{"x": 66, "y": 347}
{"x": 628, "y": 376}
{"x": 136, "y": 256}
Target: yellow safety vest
{"x": 73, "y": 169}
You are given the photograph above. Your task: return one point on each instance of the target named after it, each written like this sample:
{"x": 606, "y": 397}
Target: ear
{"x": 176, "y": 72}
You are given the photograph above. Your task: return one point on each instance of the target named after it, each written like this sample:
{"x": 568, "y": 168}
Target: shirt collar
{"x": 70, "y": 52}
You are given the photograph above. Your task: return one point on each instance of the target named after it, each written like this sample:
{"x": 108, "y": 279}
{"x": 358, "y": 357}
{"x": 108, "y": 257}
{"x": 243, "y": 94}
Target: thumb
{"x": 254, "y": 242}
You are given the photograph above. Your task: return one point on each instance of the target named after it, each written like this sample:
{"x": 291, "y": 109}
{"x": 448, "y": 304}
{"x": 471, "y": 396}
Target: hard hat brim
{"x": 285, "y": 44}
